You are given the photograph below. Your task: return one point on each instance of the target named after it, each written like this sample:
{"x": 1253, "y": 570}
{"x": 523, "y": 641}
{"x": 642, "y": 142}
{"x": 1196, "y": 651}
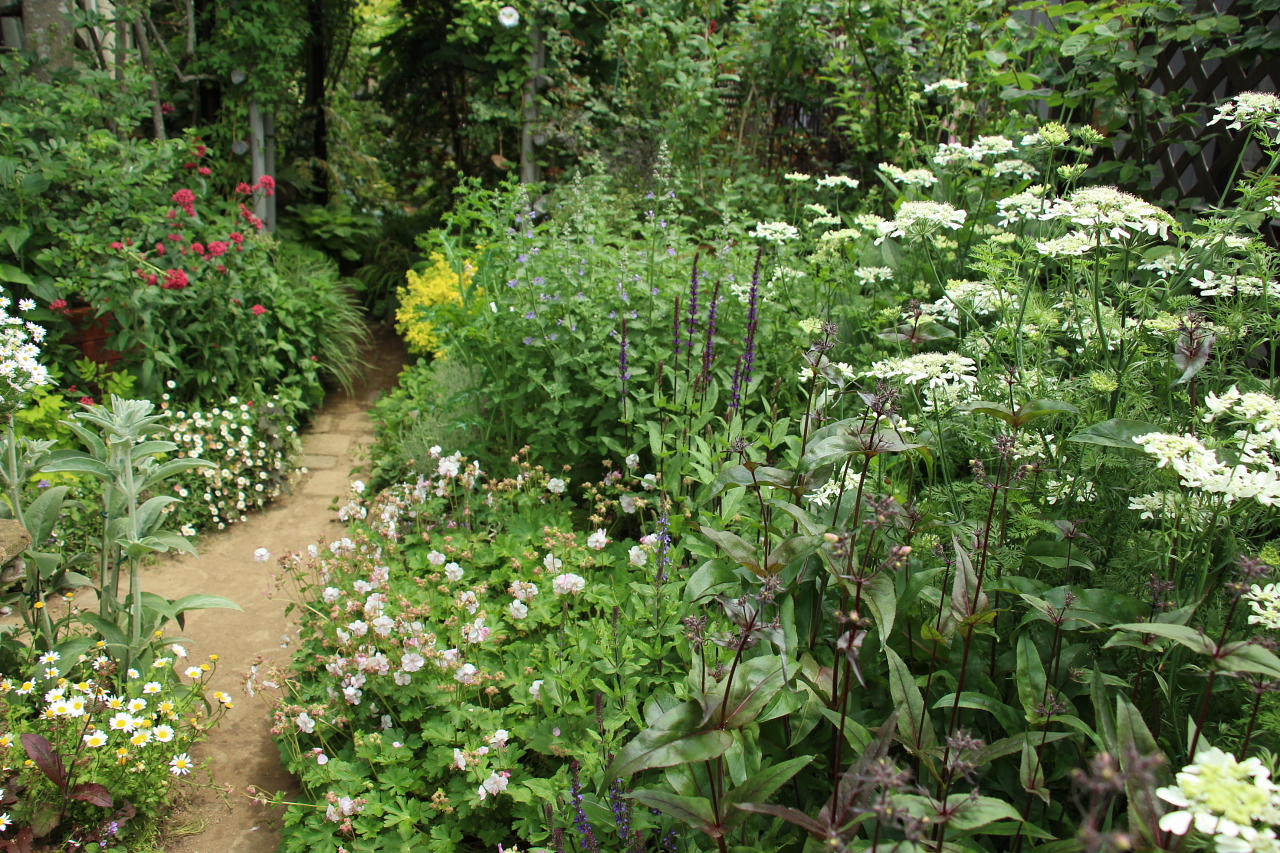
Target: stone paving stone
{"x": 327, "y": 443}
{"x": 327, "y": 483}
{"x": 320, "y": 423}
{"x": 318, "y": 462}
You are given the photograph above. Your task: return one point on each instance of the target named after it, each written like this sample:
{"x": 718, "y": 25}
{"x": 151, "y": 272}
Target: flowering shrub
{"x": 437, "y": 286}
{"x": 254, "y": 448}
{"x": 445, "y": 658}
{"x": 87, "y": 747}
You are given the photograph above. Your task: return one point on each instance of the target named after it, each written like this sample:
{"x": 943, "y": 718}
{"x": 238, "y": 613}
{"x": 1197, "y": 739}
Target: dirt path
{"x": 240, "y": 751}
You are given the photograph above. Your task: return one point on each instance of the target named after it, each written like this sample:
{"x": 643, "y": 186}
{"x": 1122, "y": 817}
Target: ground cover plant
{"x": 983, "y": 565}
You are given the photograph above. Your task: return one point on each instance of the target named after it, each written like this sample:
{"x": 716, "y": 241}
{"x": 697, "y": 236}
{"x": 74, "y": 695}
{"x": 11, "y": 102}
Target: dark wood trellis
{"x": 1195, "y": 161}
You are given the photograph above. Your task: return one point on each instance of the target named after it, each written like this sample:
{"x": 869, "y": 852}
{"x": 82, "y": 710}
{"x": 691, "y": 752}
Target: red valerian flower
{"x": 198, "y": 248}
{"x": 236, "y": 237}
{"x": 176, "y": 237}
{"x": 189, "y": 165}
{"x": 242, "y": 187}
{"x": 86, "y": 401}
{"x": 205, "y": 170}
{"x": 217, "y": 248}
{"x": 160, "y": 248}
{"x": 201, "y": 150}
{"x": 57, "y": 304}
{"x": 166, "y": 108}
{"x": 221, "y": 268}
{"x": 186, "y": 200}
{"x": 176, "y": 280}
{"x": 259, "y": 310}
{"x": 117, "y": 245}
{"x": 153, "y": 279}
{"x": 267, "y": 183}
{"x": 173, "y": 214}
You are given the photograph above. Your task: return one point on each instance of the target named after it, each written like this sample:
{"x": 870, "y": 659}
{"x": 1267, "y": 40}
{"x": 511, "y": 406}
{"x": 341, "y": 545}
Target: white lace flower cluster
{"x": 947, "y": 377}
{"x": 909, "y": 177}
{"x": 1211, "y": 283}
{"x": 976, "y": 298}
{"x": 957, "y": 154}
{"x": 1256, "y": 474}
{"x": 917, "y": 219}
{"x": 1225, "y": 799}
{"x": 946, "y": 84}
{"x": 1255, "y": 109}
{"x": 1108, "y": 212}
{"x": 1026, "y": 205}
{"x": 20, "y": 368}
{"x": 775, "y": 232}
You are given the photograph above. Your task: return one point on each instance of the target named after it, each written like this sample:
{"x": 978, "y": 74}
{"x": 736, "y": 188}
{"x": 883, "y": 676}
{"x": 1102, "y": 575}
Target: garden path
{"x": 240, "y": 751}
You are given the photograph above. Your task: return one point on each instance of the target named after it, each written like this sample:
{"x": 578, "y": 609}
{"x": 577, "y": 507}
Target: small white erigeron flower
{"x": 508, "y": 16}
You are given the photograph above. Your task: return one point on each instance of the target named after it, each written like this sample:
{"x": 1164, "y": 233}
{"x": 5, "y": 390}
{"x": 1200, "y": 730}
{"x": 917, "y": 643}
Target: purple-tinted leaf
{"x": 46, "y": 758}
{"x": 92, "y": 792}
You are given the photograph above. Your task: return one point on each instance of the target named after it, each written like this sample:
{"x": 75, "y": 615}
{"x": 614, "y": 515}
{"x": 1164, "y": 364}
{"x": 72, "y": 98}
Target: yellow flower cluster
{"x": 438, "y": 286}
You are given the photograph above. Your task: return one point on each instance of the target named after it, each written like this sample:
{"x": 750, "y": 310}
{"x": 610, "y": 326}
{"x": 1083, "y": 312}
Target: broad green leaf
{"x": 755, "y": 683}
{"x": 975, "y": 813}
{"x": 752, "y": 474}
{"x": 42, "y": 514}
{"x": 674, "y": 738}
{"x": 1244, "y": 656}
{"x": 881, "y": 597}
{"x": 693, "y": 811}
{"x": 1031, "y": 678}
{"x": 736, "y": 547}
{"x": 78, "y": 465}
{"x": 1007, "y": 716}
{"x": 1134, "y": 741}
{"x": 10, "y": 273}
{"x": 1185, "y": 635}
{"x": 1031, "y": 771}
{"x": 708, "y": 579}
{"x": 758, "y": 788}
{"x": 1116, "y": 432}
{"x": 914, "y": 727}
{"x": 792, "y": 549}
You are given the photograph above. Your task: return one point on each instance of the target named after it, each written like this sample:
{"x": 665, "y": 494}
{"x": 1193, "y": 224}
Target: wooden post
{"x": 257, "y": 157}
{"x": 529, "y": 171}
{"x": 269, "y": 160}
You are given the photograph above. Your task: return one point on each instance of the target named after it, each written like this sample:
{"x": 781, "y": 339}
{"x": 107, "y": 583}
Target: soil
{"x": 240, "y": 752}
